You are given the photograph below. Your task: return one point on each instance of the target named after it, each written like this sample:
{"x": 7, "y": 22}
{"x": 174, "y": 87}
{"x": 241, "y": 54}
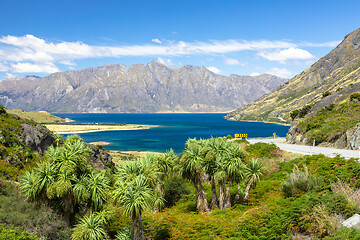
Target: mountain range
{"x": 154, "y": 87}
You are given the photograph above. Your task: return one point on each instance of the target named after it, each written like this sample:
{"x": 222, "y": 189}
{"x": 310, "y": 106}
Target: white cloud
{"x": 68, "y": 62}
{"x": 3, "y": 67}
{"x": 280, "y": 72}
{"x": 9, "y": 75}
{"x": 165, "y": 61}
{"x": 156, "y": 40}
{"x": 214, "y": 69}
{"x": 254, "y": 74}
{"x": 25, "y": 67}
{"x": 231, "y": 61}
{"x": 331, "y": 44}
{"x": 32, "y": 53}
{"x": 287, "y": 54}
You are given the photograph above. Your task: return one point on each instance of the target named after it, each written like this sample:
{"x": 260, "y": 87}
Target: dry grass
{"x": 120, "y": 156}
{"x": 326, "y": 224}
{"x": 353, "y": 195}
{"x": 40, "y": 116}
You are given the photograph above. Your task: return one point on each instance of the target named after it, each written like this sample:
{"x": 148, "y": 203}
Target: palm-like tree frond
{"x": 89, "y": 227}
{"x": 29, "y": 185}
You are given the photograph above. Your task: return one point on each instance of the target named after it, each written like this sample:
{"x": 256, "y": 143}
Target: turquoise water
{"x": 175, "y": 129}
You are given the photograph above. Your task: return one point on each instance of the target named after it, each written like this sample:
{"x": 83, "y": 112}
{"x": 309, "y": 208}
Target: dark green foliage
{"x": 339, "y": 89}
{"x": 325, "y": 94}
{"x": 229, "y": 137}
{"x": 2, "y": 109}
{"x": 330, "y": 107}
{"x": 241, "y": 141}
{"x": 15, "y": 211}
{"x": 162, "y": 232}
{"x": 294, "y": 114}
{"x": 355, "y": 96}
{"x": 174, "y": 188}
{"x": 259, "y": 150}
{"x": 7, "y": 233}
{"x": 305, "y": 110}
{"x": 8, "y": 171}
{"x": 346, "y": 233}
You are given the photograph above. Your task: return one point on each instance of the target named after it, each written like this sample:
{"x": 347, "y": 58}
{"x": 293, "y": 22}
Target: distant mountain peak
{"x": 138, "y": 88}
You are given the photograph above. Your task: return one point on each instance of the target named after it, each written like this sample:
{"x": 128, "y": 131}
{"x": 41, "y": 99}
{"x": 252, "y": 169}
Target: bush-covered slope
{"x": 333, "y": 121}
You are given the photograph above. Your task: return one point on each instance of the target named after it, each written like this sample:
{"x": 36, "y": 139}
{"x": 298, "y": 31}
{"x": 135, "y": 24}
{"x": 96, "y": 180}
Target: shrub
{"x": 339, "y": 89}
{"x": 259, "y": 150}
{"x": 352, "y": 195}
{"x": 15, "y": 234}
{"x": 330, "y": 107}
{"x": 305, "y": 110}
{"x": 7, "y": 170}
{"x": 41, "y": 220}
{"x": 325, "y": 94}
{"x": 241, "y": 141}
{"x": 294, "y": 114}
{"x": 299, "y": 182}
{"x": 355, "y": 96}
{"x": 174, "y": 188}
{"x": 229, "y": 137}
{"x": 2, "y": 109}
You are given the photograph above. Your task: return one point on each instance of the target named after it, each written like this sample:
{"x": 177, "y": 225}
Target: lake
{"x": 175, "y": 129}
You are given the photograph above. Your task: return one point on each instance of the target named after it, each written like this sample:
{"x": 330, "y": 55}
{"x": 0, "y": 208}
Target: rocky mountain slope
{"x": 338, "y": 69}
{"x": 334, "y": 121}
{"x": 139, "y": 88}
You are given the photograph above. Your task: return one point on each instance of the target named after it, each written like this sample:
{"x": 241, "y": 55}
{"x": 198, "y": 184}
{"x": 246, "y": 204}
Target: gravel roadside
{"x": 308, "y": 150}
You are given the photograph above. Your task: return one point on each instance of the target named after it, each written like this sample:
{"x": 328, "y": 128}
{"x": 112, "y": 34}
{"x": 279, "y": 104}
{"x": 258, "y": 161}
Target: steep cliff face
{"x": 139, "y": 88}
{"x": 338, "y": 69}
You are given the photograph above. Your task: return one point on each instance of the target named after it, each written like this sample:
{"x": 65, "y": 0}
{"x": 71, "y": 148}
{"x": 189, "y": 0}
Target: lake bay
{"x": 174, "y": 130}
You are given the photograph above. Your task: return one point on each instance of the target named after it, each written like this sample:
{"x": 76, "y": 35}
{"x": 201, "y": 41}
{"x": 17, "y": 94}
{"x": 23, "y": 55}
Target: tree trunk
{"x": 197, "y": 195}
{"x": 134, "y": 228}
{"x": 227, "y": 197}
{"x": 237, "y": 195}
{"x": 67, "y": 218}
{"x": 204, "y": 206}
{"x": 247, "y": 190}
{"x": 161, "y": 192}
{"x": 141, "y": 228}
{"x": 214, "y": 200}
{"x": 221, "y": 195}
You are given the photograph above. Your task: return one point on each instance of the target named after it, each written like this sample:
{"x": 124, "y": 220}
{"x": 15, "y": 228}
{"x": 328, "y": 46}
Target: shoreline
{"x": 89, "y": 128}
{"x": 283, "y": 124}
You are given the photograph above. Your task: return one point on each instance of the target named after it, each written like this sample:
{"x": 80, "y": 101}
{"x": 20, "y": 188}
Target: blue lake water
{"x": 175, "y": 129}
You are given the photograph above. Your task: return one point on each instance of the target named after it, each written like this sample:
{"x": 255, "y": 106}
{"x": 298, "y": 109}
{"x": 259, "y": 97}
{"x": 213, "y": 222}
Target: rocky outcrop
{"x": 353, "y": 138}
{"x": 138, "y": 88}
{"x": 37, "y": 137}
{"x": 100, "y": 158}
{"x": 346, "y": 140}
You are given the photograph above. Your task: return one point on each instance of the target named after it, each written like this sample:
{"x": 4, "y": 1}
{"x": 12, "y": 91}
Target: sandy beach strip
{"x": 84, "y": 128}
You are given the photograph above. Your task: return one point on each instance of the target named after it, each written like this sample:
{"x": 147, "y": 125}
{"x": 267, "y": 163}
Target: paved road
{"x": 308, "y": 150}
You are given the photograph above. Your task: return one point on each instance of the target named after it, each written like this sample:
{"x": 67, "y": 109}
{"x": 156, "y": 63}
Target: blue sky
{"x": 245, "y": 37}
